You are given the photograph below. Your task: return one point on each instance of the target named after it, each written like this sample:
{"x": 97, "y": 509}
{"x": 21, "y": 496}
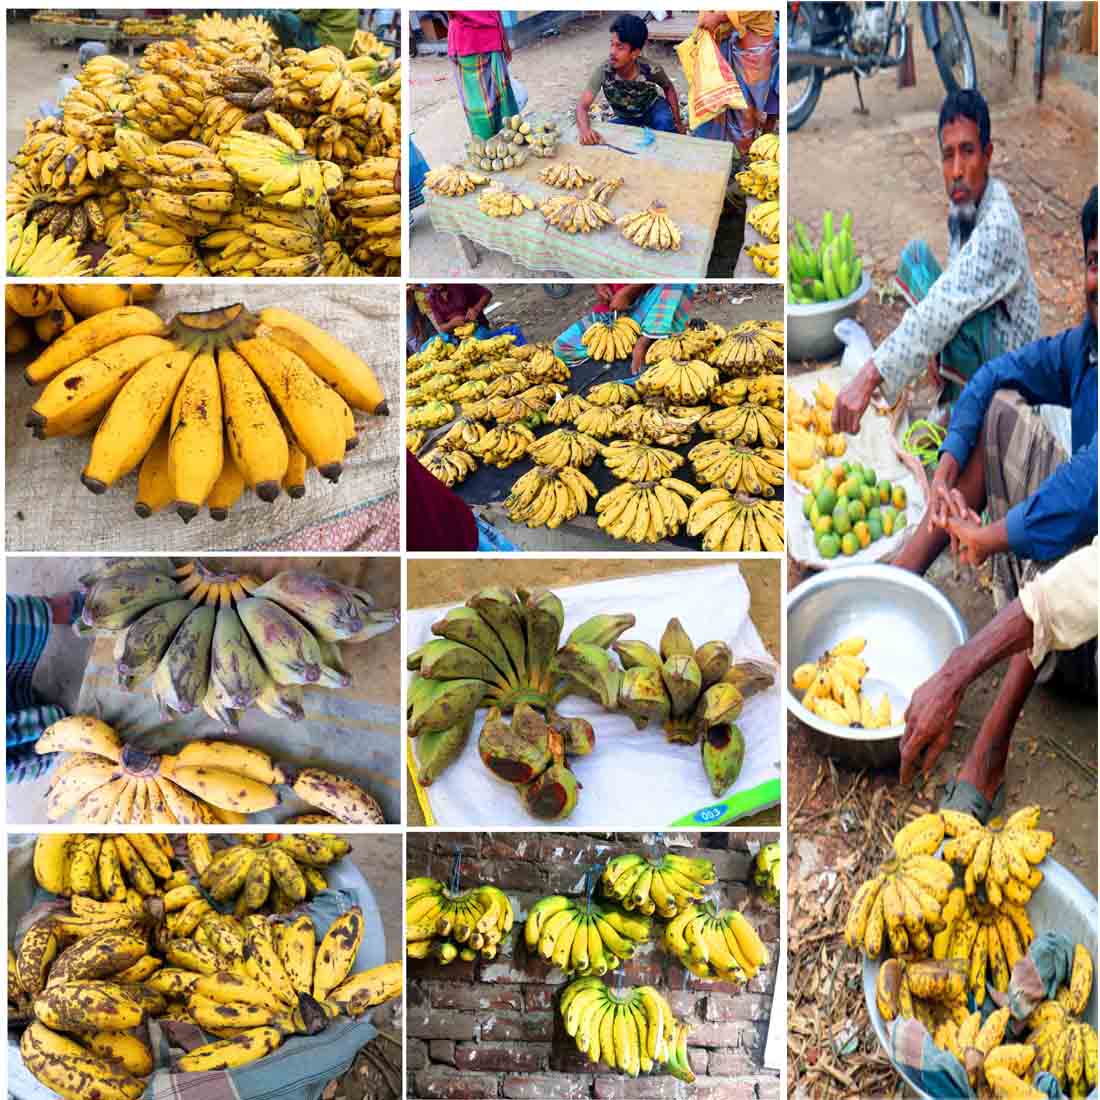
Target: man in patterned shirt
{"x": 638, "y": 91}
{"x": 983, "y": 305}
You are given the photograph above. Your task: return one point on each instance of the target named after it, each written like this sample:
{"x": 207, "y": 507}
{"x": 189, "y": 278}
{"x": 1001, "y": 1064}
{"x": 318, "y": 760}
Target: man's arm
{"x": 626, "y": 297}
{"x": 673, "y": 100}
{"x": 475, "y": 310}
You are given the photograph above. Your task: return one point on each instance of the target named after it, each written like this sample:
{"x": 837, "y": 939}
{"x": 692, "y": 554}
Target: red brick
{"x": 665, "y": 1087}
{"x": 510, "y": 874}
{"x": 541, "y": 998}
{"x": 442, "y": 1051}
{"x": 722, "y": 1007}
{"x": 731, "y": 1063}
{"x": 720, "y": 1035}
{"x": 579, "y": 851}
{"x": 511, "y": 846}
{"x": 642, "y": 971}
{"x": 478, "y": 997}
{"x": 513, "y": 1058}
{"x": 699, "y": 1058}
{"x": 565, "y": 1058}
{"x": 685, "y": 1004}
{"x": 546, "y": 1087}
{"x": 527, "y": 971}
{"x": 530, "y": 1027}
{"x": 430, "y": 969}
{"x": 566, "y": 878}
{"x": 715, "y": 1088}
{"x": 426, "y": 1023}
{"x": 445, "y": 1084}
{"x": 416, "y": 1054}
{"x": 767, "y": 1088}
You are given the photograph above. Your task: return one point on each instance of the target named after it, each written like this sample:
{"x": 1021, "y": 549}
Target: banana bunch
{"x": 749, "y": 424}
{"x": 499, "y": 202}
{"x": 733, "y": 521}
{"x": 715, "y": 944}
{"x": 765, "y": 258}
{"x": 117, "y": 870}
{"x": 570, "y": 213}
{"x": 832, "y": 688}
{"x": 568, "y": 176}
{"x": 612, "y": 393}
{"x": 451, "y": 926}
{"x": 612, "y": 339}
{"x": 499, "y": 153}
{"x": 450, "y": 179}
{"x": 169, "y": 25}
{"x": 645, "y": 511}
{"x": 508, "y": 385}
{"x": 415, "y": 440}
{"x": 540, "y": 363}
{"x": 204, "y": 407}
{"x": 472, "y": 390}
{"x": 930, "y": 990}
{"x": 461, "y": 435}
{"x": 751, "y": 348}
{"x": 451, "y": 466}
{"x": 542, "y": 137}
{"x": 825, "y": 272}
{"x": 1064, "y": 1044}
{"x": 664, "y": 886}
{"x": 430, "y": 415}
{"x": 764, "y": 218}
{"x": 630, "y": 1031}
{"x": 564, "y": 447}
{"x": 761, "y": 179}
{"x": 269, "y": 241}
{"x": 526, "y": 407}
{"x": 738, "y": 469}
{"x": 503, "y": 445}
{"x": 764, "y": 389}
{"x": 695, "y": 694}
{"x": 169, "y": 96}
{"x": 1000, "y": 858}
{"x": 33, "y": 252}
{"x": 697, "y": 341}
{"x": 583, "y": 937}
{"x": 683, "y": 382}
{"x": 567, "y": 409}
{"x": 655, "y": 422}
{"x": 549, "y": 496}
{"x": 223, "y": 641}
{"x": 767, "y": 873}
{"x": 639, "y": 462}
{"x": 279, "y": 169}
{"x": 765, "y": 147}
{"x": 600, "y": 421}
{"x": 651, "y": 228}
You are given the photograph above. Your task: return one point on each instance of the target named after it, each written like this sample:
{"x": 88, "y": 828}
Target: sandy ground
{"x": 440, "y": 581}
{"x": 554, "y": 70}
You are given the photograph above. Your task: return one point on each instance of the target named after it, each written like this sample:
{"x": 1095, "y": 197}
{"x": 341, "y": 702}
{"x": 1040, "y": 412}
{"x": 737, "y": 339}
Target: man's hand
{"x": 943, "y": 482}
{"x": 711, "y": 20}
{"x": 975, "y": 542}
{"x": 622, "y": 301}
{"x": 472, "y": 313}
{"x": 852, "y": 401}
{"x": 603, "y": 293}
{"x": 590, "y": 137}
{"x": 929, "y": 723}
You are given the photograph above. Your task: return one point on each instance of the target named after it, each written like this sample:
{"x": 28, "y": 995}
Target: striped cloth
{"x": 28, "y": 631}
{"x": 485, "y": 92}
{"x": 663, "y": 310}
{"x": 754, "y": 67}
{"x": 418, "y": 169}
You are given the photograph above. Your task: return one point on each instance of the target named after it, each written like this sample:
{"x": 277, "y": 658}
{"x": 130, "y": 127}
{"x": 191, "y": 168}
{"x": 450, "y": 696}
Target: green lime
{"x": 869, "y": 475}
{"x": 826, "y": 500}
{"x": 874, "y": 525}
{"x": 828, "y": 545}
{"x": 841, "y": 523}
{"x": 856, "y": 511}
{"x": 869, "y": 497}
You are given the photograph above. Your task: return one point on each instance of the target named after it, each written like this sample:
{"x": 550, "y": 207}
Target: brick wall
{"x": 491, "y": 1029}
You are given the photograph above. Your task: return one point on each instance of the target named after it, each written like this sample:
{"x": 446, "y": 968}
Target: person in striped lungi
{"x": 479, "y": 52}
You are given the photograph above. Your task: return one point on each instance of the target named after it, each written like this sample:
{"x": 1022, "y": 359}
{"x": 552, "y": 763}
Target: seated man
{"x": 983, "y": 305}
{"x": 999, "y": 456}
{"x": 454, "y": 305}
{"x": 638, "y": 91}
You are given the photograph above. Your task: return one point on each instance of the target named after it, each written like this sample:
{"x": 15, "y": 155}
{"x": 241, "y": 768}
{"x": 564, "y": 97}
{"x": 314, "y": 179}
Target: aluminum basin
{"x": 810, "y": 328}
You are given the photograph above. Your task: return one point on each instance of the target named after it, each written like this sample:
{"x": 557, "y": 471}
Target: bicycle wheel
{"x": 954, "y": 55}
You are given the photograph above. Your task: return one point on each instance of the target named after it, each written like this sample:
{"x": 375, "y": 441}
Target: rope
{"x": 924, "y": 439}
{"x": 456, "y": 871}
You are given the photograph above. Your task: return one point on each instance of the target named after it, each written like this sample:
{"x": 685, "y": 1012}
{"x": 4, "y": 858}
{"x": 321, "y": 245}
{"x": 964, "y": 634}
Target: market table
{"x": 745, "y": 268}
{"x": 688, "y": 174}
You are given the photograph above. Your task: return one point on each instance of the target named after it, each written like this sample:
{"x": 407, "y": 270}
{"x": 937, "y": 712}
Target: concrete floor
{"x": 440, "y": 581}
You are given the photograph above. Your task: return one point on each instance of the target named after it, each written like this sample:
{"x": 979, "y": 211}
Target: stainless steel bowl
{"x": 911, "y": 629}
{"x": 1061, "y": 903}
{"x": 810, "y": 328}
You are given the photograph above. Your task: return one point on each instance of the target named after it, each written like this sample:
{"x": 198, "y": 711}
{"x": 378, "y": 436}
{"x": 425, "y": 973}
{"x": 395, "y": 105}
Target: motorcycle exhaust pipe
{"x": 819, "y": 57}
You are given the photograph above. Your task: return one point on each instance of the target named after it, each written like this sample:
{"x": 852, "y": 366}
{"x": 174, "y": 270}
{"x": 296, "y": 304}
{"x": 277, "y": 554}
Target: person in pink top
{"x": 479, "y": 51}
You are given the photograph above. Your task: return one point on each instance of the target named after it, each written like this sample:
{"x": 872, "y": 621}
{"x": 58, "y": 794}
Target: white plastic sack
{"x": 633, "y": 778}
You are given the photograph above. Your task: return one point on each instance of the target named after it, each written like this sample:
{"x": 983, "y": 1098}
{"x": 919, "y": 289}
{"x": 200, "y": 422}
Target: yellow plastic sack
{"x": 712, "y": 84}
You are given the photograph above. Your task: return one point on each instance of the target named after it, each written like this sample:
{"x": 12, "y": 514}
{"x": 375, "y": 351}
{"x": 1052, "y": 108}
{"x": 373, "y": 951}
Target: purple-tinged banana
{"x": 339, "y": 797}
{"x": 286, "y": 647}
{"x": 116, "y": 601}
{"x": 147, "y": 640}
{"x": 181, "y": 677}
{"x": 336, "y": 612}
{"x": 237, "y": 675}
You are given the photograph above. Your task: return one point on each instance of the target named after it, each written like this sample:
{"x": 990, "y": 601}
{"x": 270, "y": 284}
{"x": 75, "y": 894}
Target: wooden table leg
{"x": 468, "y": 250}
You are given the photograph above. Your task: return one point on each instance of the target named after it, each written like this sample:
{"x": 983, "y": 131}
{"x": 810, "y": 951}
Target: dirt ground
{"x": 554, "y": 71}
{"x": 440, "y": 582}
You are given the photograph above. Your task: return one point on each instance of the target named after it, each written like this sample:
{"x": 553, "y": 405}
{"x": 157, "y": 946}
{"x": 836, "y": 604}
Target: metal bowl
{"x": 810, "y": 328}
{"x": 1061, "y": 903}
{"x": 911, "y": 629}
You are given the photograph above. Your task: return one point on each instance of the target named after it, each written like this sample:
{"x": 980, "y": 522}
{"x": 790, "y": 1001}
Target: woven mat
{"x": 49, "y": 509}
{"x": 688, "y": 174}
{"x": 355, "y": 732}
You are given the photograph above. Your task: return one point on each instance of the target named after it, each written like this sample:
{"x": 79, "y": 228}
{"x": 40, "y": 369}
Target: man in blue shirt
{"x": 1000, "y": 457}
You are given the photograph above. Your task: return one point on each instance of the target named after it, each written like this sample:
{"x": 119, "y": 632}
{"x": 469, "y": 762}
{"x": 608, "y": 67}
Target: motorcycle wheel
{"x": 954, "y": 55}
{"x": 557, "y": 291}
{"x": 804, "y": 81}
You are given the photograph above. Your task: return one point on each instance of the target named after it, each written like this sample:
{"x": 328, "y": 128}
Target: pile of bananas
{"x": 120, "y": 870}
{"x": 430, "y": 415}
{"x": 715, "y": 944}
{"x": 612, "y": 393}
{"x": 582, "y": 936}
{"x": 753, "y": 347}
{"x": 645, "y": 511}
{"x": 205, "y": 406}
{"x": 651, "y": 228}
{"x": 826, "y": 272}
{"x": 764, "y": 389}
{"x": 761, "y": 179}
{"x": 631, "y": 461}
{"x": 449, "y": 464}
{"x": 684, "y": 382}
{"x": 169, "y": 26}
{"x": 810, "y": 433}
{"x": 36, "y": 252}
{"x": 449, "y": 926}
{"x": 564, "y": 447}
{"x": 749, "y": 424}
{"x": 733, "y": 521}
{"x": 764, "y": 218}
{"x": 570, "y": 213}
{"x": 832, "y": 688}
{"x": 765, "y": 258}
{"x": 631, "y": 1031}
{"x": 450, "y": 179}
{"x": 656, "y": 422}
{"x": 548, "y": 496}
{"x": 697, "y": 341}
{"x": 611, "y": 339}
{"x": 569, "y": 176}
{"x": 767, "y": 873}
{"x": 566, "y": 409}
{"x": 502, "y": 649}
{"x": 664, "y": 886}
{"x": 499, "y": 202}
{"x": 498, "y": 153}
{"x": 462, "y": 434}
{"x": 739, "y": 469}
{"x": 765, "y": 147}
{"x": 224, "y": 641}
{"x": 540, "y": 364}
{"x": 503, "y": 445}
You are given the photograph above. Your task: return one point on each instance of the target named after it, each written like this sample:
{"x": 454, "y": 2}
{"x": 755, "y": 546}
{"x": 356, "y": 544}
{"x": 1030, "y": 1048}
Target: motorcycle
{"x": 829, "y": 39}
